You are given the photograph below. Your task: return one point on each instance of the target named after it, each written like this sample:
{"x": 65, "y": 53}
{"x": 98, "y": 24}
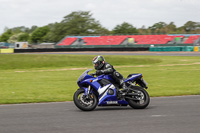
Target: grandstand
{"x": 168, "y": 42}
{"x": 130, "y": 40}
{"x": 192, "y": 39}
{"x": 68, "y": 41}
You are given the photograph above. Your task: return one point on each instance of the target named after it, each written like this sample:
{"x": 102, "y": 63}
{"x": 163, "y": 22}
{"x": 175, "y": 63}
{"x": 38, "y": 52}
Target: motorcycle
{"x": 103, "y": 91}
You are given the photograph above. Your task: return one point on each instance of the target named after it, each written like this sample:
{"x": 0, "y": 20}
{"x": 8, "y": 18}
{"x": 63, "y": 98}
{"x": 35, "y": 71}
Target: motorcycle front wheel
{"x": 141, "y": 101}
{"x": 83, "y": 102}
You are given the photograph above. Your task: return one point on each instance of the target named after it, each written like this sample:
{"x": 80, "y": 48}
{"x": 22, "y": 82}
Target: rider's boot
{"x": 124, "y": 88}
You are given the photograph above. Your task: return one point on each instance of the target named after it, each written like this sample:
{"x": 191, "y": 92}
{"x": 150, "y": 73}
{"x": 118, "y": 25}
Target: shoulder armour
{"x": 108, "y": 66}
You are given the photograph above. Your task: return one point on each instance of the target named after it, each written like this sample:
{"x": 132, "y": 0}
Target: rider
{"x": 103, "y": 67}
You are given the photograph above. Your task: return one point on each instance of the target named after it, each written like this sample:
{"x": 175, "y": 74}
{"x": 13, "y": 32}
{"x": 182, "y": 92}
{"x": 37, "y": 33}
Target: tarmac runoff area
{"x": 179, "y": 114}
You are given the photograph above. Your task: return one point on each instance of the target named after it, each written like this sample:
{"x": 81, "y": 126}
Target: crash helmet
{"x": 98, "y": 62}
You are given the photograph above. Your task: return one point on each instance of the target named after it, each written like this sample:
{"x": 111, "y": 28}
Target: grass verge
{"x": 47, "y": 78}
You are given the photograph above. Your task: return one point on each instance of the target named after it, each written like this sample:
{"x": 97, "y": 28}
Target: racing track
{"x": 163, "y": 115}
{"x": 179, "y": 114}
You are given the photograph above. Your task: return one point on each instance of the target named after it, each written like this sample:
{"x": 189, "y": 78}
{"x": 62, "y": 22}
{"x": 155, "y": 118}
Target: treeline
{"x": 82, "y": 23}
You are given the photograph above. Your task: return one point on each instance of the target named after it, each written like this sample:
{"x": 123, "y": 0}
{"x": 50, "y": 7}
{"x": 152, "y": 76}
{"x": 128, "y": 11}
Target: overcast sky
{"x": 109, "y": 13}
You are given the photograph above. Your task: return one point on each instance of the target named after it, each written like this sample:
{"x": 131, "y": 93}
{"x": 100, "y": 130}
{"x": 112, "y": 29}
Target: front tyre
{"x": 83, "y": 102}
{"x": 141, "y": 101}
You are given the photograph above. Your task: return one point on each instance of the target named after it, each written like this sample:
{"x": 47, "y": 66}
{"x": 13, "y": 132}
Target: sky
{"x": 109, "y": 13}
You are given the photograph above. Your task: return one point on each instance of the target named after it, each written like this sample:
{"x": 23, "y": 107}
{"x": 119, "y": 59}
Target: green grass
{"x": 46, "y": 78}
{"x": 27, "y": 61}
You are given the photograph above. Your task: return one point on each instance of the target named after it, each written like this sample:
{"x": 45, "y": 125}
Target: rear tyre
{"x": 141, "y": 101}
{"x": 84, "y": 103}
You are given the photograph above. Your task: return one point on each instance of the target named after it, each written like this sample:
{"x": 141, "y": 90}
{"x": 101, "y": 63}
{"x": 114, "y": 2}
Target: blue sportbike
{"x": 103, "y": 91}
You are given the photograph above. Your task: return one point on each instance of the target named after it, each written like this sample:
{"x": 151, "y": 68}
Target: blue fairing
{"x": 87, "y": 82}
{"x": 103, "y": 91}
{"x": 133, "y": 77}
{"x": 109, "y": 77}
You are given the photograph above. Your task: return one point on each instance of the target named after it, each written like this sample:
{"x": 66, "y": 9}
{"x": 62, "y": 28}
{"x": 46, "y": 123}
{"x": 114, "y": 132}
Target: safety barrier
{"x": 196, "y": 48}
{"x": 81, "y": 49}
{"x": 152, "y": 49}
{"x": 174, "y": 49}
{"x": 121, "y": 46}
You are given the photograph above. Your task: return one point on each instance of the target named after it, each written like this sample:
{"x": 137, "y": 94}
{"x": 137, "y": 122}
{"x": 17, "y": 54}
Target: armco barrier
{"x": 188, "y": 48}
{"x": 174, "y": 49}
{"x": 121, "y": 46}
{"x": 82, "y": 49}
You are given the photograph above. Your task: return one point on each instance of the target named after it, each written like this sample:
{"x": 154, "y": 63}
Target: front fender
{"x": 85, "y": 89}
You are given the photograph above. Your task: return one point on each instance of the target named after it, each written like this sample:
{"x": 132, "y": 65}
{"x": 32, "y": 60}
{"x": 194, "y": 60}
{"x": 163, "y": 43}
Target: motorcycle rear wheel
{"x": 141, "y": 101}
{"x": 83, "y": 103}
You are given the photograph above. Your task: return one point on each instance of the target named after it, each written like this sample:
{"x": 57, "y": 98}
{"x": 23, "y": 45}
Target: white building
{"x": 21, "y": 45}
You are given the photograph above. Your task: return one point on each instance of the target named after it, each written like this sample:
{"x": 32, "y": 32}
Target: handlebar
{"x": 92, "y": 74}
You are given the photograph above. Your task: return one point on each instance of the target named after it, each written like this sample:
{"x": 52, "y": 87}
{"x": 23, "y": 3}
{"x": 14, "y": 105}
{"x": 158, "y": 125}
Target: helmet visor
{"x": 96, "y": 64}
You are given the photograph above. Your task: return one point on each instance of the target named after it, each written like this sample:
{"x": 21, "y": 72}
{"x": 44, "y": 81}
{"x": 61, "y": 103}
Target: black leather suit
{"x": 108, "y": 69}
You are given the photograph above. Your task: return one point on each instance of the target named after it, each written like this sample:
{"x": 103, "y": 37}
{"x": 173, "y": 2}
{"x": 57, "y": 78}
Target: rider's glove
{"x": 92, "y": 74}
{"x": 99, "y": 72}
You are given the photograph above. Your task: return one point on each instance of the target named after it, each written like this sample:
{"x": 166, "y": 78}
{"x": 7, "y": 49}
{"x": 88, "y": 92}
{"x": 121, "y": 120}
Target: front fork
{"x": 87, "y": 91}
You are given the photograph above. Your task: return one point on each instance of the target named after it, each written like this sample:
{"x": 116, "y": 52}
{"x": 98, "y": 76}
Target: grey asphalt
{"x": 180, "y": 114}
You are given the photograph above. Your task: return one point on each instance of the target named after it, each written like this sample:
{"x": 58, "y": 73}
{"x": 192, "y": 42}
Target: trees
{"x": 39, "y": 34}
{"x": 18, "y": 37}
{"x": 23, "y": 37}
{"x": 191, "y": 26}
{"x": 6, "y": 35}
{"x": 82, "y": 23}
{"x": 170, "y": 28}
{"x": 15, "y": 34}
{"x": 158, "y": 28}
{"x": 75, "y": 23}
{"x": 125, "y": 28}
